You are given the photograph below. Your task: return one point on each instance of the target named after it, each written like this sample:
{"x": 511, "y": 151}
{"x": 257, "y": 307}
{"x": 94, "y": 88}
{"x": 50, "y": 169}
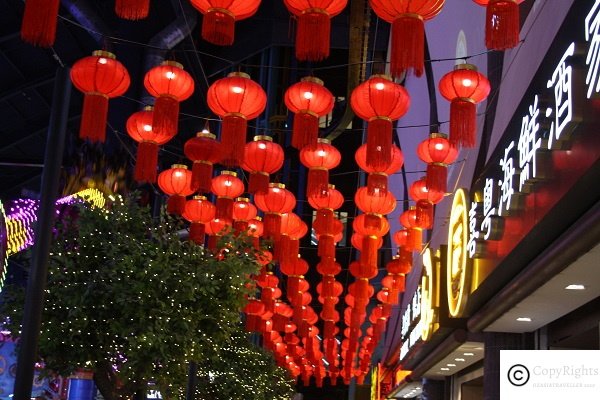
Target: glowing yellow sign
{"x": 460, "y": 266}
{"x": 429, "y": 295}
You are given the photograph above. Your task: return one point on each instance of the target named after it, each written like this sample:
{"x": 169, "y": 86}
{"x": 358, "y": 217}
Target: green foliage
{"x": 130, "y": 300}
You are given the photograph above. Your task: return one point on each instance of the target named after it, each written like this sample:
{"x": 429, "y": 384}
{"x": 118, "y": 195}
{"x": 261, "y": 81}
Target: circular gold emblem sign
{"x": 459, "y": 264}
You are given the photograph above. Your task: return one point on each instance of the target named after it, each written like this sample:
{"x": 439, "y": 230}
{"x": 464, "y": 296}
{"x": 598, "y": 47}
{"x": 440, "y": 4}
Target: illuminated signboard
{"x": 460, "y": 266}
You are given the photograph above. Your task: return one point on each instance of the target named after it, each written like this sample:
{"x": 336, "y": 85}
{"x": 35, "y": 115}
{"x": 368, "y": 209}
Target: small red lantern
{"x": 414, "y": 227}
{"x": 464, "y": 87}
{"x": 438, "y": 153}
{"x": 170, "y": 84}
{"x": 374, "y": 204}
{"x": 132, "y": 9}
{"x": 198, "y": 211}
{"x": 408, "y": 31}
{"x": 319, "y": 159}
{"x": 326, "y": 203}
{"x": 308, "y": 100}
{"x": 377, "y": 182}
{"x": 226, "y": 187}
{"x": 205, "y": 151}
{"x": 216, "y": 228}
{"x": 218, "y": 25}
{"x": 425, "y": 199}
{"x": 176, "y": 182}
{"x": 379, "y": 101}
{"x": 371, "y": 231}
{"x": 39, "y": 22}
{"x": 501, "y": 23}
{"x": 275, "y": 201}
{"x": 235, "y": 99}
{"x": 261, "y": 158}
{"x": 243, "y": 211}
{"x": 401, "y": 263}
{"x": 288, "y": 245}
{"x": 100, "y": 77}
{"x": 314, "y": 26}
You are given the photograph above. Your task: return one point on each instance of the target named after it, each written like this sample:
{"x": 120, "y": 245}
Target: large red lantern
{"x": 226, "y": 187}
{"x": 377, "y": 181}
{"x": 464, "y": 87}
{"x": 100, "y": 77}
{"x": 218, "y": 25}
{"x": 261, "y": 158}
{"x": 438, "y": 153}
{"x": 408, "y": 31}
{"x": 425, "y": 198}
{"x": 204, "y": 150}
{"x": 379, "y": 101}
{"x": 319, "y": 159}
{"x": 235, "y": 99}
{"x": 314, "y": 26}
{"x": 374, "y": 204}
{"x": 176, "y": 182}
{"x": 198, "y": 211}
{"x": 275, "y": 201}
{"x": 501, "y": 23}
{"x": 132, "y": 9}
{"x": 308, "y": 100}
{"x": 39, "y": 22}
{"x": 170, "y": 84}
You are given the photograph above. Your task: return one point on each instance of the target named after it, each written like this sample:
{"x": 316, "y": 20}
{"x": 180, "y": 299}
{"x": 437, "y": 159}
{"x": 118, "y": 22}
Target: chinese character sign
{"x": 561, "y": 81}
{"x": 529, "y": 143}
{"x": 592, "y": 60}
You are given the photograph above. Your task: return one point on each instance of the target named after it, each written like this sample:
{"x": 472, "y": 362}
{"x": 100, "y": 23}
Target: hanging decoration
{"x": 170, "y": 84}
{"x": 309, "y": 100}
{"x": 218, "y": 24}
{"x": 377, "y": 180}
{"x": 408, "y": 31}
{"x": 413, "y": 240}
{"x": 236, "y": 99}
{"x": 425, "y": 198}
{"x": 319, "y": 159}
{"x": 379, "y": 101}
{"x": 100, "y": 77}
{"x": 199, "y": 211}
{"x": 262, "y": 157}
{"x": 438, "y": 153}
{"x": 39, "y": 22}
{"x": 139, "y": 127}
{"x": 205, "y": 151}
{"x": 313, "y": 31}
{"x": 464, "y": 87}
{"x": 502, "y": 22}
{"x": 132, "y": 9}
{"x": 275, "y": 201}
{"x": 176, "y": 182}
{"x": 325, "y": 203}
{"x": 243, "y": 212}
{"x": 226, "y": 187}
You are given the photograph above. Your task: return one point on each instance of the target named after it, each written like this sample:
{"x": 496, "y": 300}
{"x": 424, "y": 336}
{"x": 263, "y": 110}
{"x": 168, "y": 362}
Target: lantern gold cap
{"x": 258, "y": 219}
{"x": 323, "y": 140}
{"x": 103, "y": 53}
{"x": 238, "y": 74}
{"x": 148, "y": 108}
{"x": 243, "y": 199}
{"x": 172, "y": 63}
{"x": 181, "y": 166}
{"x": 313, "y": 79}
{"x": 470, "y": 67}
{"x": 207, "y": 135}
{"x": 438, "y": 135}
{"x": 198, "y": 197}
{"x": 412, "y": 207}
{"x": 330, "y": 186}
{"x": 263, "y": 138}
{"x": 277, "y": 185}
{"x": 232, "y": 173}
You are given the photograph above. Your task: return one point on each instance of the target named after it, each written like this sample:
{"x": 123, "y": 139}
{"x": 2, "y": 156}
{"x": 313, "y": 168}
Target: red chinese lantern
{"x": 308, "y": 100}
{"x": 198, "y": 211}
{"x": 319, "y": 159}
{"x": 379, "y": 101}
{"x": 371, "y": 231}
{"x": 261, "y": 158}
{"x": 363, "y": 271}
{"x": 216, "y": 228}
{"x": 374, "y": 204}
{"x": 100, "y": 77}
{"x": 205, "y": 151}
{"x": 243, "y": 211}
{"x": 139, "y": 127}
{"x": 438, "y": 153}
{"x": 464, "y": 87}
{"x": 292, "y": 230}
{"x": 377, "y": 181}
{"x": 176, "y": 182}
{"x": 132, "y": 9}
{"x": 501, "y": 23}
{"x": 255, "y": 230}
{"x": 408, "y": 31}
{"x": 414, "y": 228}
{"x": 235, "y": 99}
{"x": 170, "y": 84}
{"x": 314, "y": 26}
{"x": 275, "y": 201}
{"x": 39, "y": 22}
{"x": 218, "y": 24}
{"x": 401, "y": 263}
{"x": 425, "y": 199}
{"x": 326, "y": 203}
{"x": 226, "y": 187}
